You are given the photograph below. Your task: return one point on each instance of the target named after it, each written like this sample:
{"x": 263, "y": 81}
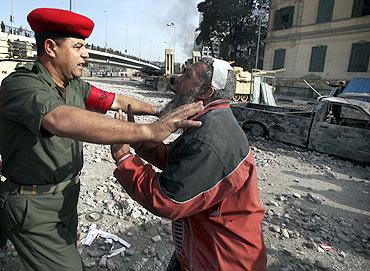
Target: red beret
{"x": 60, "y": 22}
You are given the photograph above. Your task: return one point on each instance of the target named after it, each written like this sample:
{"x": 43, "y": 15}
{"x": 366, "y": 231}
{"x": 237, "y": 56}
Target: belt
{"x": 46, "y": 188}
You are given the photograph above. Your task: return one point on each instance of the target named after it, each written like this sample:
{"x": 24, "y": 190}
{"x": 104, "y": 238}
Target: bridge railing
{"x": 27, "y": 33}
{"x": 17, "y": 31}
{"x": 116, "y": 52}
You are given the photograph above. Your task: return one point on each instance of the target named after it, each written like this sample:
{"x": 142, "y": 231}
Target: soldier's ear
{"x": 49, "y": 47}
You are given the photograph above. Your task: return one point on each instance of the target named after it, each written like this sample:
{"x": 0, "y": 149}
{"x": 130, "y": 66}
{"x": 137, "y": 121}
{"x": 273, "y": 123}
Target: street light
{"x": 174, "y": 39}
{"x": 174, "y": 35}
{"x": 106, "y": 29}
{"x": 70, "y": 5}
{"x": 150, "y": 50}
{"x": 11, "y": 18}
{"x": 259, "y": 33}
{"x": 139, "y": 45}
{"x": 126, "y": 38}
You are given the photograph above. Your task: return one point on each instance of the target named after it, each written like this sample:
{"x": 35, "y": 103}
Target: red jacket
{"x": 209, "y": 189}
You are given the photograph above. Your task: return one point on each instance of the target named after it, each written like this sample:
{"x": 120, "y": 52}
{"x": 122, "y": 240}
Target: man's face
{"x": 188, "y": 87}
{"x": 70, "y": 58}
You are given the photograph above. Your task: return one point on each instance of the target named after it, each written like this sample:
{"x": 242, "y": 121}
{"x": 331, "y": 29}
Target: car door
{"x": 342, "y": 130}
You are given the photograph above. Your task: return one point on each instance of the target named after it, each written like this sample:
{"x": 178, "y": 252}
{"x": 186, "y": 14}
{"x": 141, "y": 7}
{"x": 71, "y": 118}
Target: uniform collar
{"x": 43, "y": 72}
{"x": 217, "y": 104}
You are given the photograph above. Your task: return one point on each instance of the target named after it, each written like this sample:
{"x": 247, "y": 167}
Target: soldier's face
{"x": 71, "y": 55}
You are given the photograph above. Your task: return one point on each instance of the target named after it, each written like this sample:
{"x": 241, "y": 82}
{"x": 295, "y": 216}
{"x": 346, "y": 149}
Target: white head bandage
{"x": 220, "y": 71}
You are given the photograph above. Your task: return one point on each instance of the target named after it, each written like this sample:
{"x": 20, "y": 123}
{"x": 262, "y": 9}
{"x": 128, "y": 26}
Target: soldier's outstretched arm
{"x": 138, "y": 107}
{"x": 72, "y": 122}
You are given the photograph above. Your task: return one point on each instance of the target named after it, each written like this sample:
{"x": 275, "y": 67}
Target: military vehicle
{"x": 243, "y": 85}
{"x": 15, "y": 50}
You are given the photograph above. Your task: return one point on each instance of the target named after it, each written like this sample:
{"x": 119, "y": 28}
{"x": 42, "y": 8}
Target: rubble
{"x": 310, "y": 198}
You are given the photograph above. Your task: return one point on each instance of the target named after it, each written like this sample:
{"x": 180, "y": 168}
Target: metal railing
{"x": 116, "y": 52}
{"x": 30, "y": 34}
{"x": 17, "y": 31}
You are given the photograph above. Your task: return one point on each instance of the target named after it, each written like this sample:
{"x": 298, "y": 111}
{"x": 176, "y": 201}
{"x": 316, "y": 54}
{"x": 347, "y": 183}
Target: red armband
{"x": 99, "y": 100}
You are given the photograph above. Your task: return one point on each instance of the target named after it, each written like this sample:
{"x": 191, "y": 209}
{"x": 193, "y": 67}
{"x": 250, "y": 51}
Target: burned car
{"x": 336, "y": 125}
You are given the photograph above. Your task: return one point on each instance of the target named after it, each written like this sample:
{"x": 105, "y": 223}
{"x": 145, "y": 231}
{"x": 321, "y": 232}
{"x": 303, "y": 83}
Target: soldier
{"x": 43, "y": 121}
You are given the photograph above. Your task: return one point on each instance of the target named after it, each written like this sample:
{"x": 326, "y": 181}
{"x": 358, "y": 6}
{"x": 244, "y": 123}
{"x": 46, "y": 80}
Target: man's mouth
{"x": 82, "y": 65}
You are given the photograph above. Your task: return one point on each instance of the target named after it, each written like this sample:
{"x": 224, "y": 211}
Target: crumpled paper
{"x": 94, "y": 233}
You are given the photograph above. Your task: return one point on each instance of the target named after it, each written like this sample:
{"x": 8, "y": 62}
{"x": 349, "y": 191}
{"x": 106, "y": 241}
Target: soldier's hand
{"x": 119, "y": 151}
{"x": 172, "y": 121}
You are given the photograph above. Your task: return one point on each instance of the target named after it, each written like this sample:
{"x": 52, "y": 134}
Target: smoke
{"x": 185, "y": 17}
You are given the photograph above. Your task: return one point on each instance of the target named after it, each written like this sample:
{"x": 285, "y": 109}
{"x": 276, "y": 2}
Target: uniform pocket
{"x": 18, "y": 212}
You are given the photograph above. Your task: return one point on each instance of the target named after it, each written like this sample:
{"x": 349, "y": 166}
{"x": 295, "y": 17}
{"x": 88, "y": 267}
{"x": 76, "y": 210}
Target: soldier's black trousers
{"x": 43, "y": 228}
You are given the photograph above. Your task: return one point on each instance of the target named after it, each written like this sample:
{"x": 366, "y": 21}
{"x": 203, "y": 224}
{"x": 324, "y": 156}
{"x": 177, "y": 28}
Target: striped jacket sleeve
{"x": 194, "y": 180}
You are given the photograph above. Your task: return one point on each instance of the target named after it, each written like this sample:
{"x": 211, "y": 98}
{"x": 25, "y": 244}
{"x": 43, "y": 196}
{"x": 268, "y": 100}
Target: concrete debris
{"x": 310, "y": 199}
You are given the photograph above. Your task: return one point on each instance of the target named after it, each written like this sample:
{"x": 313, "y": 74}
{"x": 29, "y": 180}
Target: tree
{"x": 234, "y": 23}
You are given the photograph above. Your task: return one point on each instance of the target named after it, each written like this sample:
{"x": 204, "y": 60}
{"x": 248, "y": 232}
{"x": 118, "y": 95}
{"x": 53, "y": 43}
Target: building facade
{"x": 319, "y": 39}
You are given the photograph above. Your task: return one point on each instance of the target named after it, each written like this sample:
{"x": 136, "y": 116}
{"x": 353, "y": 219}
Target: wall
{"x": 338, "y": 35}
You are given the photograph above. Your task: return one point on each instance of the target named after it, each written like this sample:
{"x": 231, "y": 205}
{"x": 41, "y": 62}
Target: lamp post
{"x": 150, "y": 50}
{"x": 70, "y": 5}
{"x": 174, "y": 35}
{"x": 11, "y": 17}
{"x": 106, "y": 29}
{"x": 139, "y": 45}
{"x": 126, "y": 38}
{"x": 259, "y": 33}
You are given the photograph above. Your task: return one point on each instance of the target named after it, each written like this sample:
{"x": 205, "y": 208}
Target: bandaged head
{"x": 221, "y": 69}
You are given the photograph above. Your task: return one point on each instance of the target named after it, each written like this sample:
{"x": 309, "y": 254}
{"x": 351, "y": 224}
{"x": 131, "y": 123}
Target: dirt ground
{"x": 317, "y": 208}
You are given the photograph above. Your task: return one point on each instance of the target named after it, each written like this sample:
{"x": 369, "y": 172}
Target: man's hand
{"x": 131, "y": 118}
{"x": 172, "y": 121}
{"x": 119, "y": 151}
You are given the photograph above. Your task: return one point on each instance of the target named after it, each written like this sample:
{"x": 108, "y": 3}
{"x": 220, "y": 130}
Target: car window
{"x": 346, "y": 116}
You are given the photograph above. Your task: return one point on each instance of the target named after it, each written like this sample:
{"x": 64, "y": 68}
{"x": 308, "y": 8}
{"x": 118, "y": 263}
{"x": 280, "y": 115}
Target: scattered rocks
{"x": 293, "y": 228}
{"x": 275, "y": 228}
{"x": 156, "y": 238}
{"x": 285, "y": 233}
{"x": 103, "y": 261}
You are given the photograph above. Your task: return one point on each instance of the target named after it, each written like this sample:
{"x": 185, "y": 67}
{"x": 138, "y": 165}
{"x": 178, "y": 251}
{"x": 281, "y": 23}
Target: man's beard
{"x": 178, "y": 101}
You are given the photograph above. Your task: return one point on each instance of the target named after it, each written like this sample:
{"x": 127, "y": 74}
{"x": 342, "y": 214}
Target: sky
{"x": 145, "y": 21}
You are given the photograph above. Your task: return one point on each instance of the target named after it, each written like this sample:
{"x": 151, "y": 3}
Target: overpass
{"x": 117, "y": 59}
{"x": 16, "y": 43}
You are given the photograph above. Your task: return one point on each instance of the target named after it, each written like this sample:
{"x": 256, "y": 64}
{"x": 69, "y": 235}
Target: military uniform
{"x": 38, "y": 200}
{"x": 41, "y": 192}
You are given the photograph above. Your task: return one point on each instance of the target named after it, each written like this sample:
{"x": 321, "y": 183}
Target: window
{"x": 317, "y": 61}
{"x": 359, "y": 59}
{"x": 346, "y": 116}
{"x": 279, "y": 59}
{"x": 284, "y": 18}
{"x": 325, "y": 11}
{"x": 360, "y": 8}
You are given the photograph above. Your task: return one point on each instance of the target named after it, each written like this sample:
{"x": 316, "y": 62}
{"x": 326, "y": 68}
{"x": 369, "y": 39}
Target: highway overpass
{"x": 22, "y": 46}
{"x": 107, "y": 58}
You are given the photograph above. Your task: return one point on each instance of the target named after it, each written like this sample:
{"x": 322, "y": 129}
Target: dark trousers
{"x": 43, "y": 228}
{"x": 174, "y": 264}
